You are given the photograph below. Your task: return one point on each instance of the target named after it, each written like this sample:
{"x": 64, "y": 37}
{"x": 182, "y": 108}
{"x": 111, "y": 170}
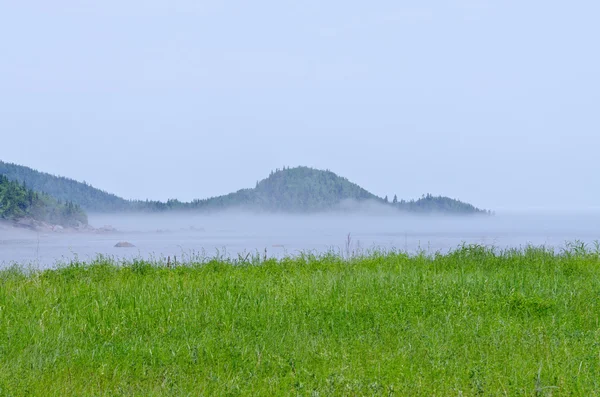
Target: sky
{"x": 492, "y": 102}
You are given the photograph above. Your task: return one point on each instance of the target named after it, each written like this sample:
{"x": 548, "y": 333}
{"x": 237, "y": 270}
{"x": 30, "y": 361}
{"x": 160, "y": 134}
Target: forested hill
{"x": 304, "y": 189}
{"x": 299, "y": 189}
{"x": 17, "y": 202}
{"x": 438, "y": 204}
{"x": 65, "y": 189}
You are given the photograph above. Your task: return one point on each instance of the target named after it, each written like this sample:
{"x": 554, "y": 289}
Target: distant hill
{"x": 87, "y": 197}
{"x": 304, "y": 189}
{"x": 438, "y": 204}
{"x": 299, "y": 189}
{"x": 18, "y": 202}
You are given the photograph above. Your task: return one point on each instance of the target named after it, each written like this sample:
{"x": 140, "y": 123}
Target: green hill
{"x": 299, "y": 189}
{"x": 304, "y": 189}
{"x": 438, "y": 204}
{"x": 17, "y": 202}
{"x": 87, "y": 197}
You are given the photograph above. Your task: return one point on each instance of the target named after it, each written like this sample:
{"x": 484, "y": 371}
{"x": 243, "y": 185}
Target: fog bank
{"x": 187, "y": 234}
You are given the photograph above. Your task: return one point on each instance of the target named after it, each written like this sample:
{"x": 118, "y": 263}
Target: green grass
{"x": 472, "y": 322}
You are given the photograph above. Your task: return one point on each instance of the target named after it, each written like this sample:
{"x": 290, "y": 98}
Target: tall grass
{"x": 475, "y": 321}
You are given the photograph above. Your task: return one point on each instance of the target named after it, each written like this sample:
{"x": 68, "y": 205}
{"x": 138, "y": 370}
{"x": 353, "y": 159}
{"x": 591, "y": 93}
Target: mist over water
{"x": 187, "y": 235}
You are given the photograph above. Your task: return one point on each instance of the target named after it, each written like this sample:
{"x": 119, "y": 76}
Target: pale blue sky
{"x": 492, "y": 102}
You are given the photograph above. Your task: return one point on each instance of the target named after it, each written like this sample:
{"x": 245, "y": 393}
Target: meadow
{"x": 475, "y": 321}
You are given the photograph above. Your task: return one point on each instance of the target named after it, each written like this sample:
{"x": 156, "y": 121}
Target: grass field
{"x": 472, "y": 322}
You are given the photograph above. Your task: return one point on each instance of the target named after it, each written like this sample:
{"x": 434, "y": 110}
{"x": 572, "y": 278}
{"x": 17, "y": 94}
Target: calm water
{"x": 185, "y": 235}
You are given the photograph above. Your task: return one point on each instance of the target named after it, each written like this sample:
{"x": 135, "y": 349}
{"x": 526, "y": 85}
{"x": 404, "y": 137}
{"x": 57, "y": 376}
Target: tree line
{"x": 18, "y": 201}
{"x": 298, "y": 189}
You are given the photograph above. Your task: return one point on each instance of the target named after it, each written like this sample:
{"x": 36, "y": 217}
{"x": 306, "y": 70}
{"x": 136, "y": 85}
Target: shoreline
{"x": 30, "y": 224}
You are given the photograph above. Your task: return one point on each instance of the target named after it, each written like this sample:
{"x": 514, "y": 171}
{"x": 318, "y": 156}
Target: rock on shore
{"x": 40, "y": 226}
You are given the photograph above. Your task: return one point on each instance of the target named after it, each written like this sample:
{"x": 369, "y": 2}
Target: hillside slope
{"x": 65, "y": 189}
{"x": 18, "y": 202}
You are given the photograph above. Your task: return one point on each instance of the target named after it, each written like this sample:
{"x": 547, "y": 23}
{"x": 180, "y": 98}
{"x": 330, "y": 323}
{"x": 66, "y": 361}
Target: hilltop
{"x": 305, "y": 189}
{"x": 298, "y": 189}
